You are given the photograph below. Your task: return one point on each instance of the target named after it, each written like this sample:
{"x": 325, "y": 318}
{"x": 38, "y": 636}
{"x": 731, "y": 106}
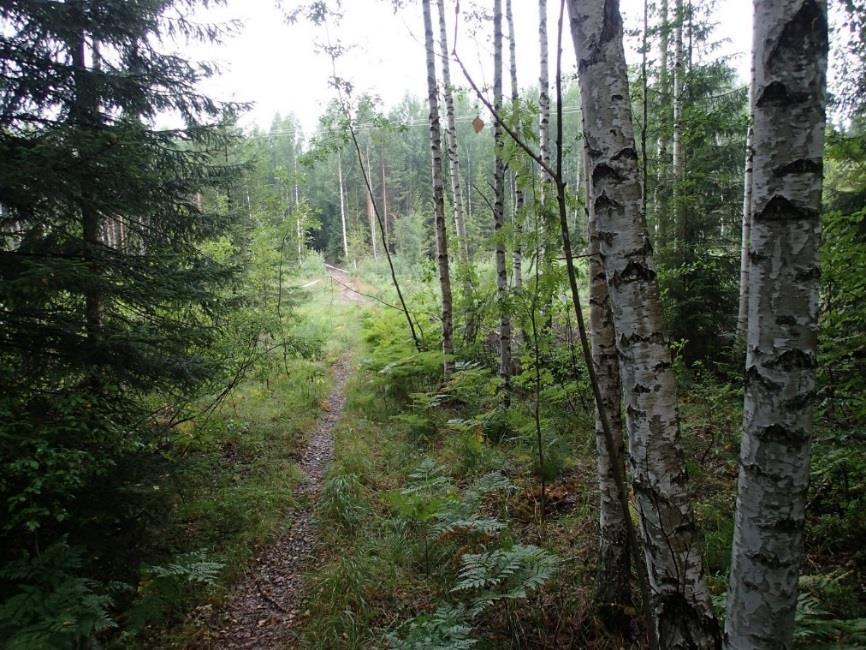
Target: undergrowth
{"x": 436, "y": 534}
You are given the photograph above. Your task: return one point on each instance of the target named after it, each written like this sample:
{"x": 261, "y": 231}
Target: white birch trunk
{"x": 790, "y": 67}
{"x": 451, "y": 140}
{"x": 499, "y": 210}
{"x": 612, "y": 582}
{"x": 438, "y": 193}
{"x": 680, "y": 600}
{"x": 661, "y": 143}
{"x": 543, "y": 85}
{"x": 677, "y": 153}
{"x": 517, "y": 254}
{"x": 342, "y": 206}
{"x": 298, "y": 216}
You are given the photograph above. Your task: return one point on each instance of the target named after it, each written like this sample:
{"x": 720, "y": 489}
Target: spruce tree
{"x": 105, "y": 294}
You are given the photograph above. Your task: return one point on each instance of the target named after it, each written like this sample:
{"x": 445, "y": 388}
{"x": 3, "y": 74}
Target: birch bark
{"x": 660, "y": 202}
{"x": 677, "y": 153}
{"x": 342, "y": 206}
{"x": 438, "y": 193}
{"x": 790, "y": 70}
{"x": 517, "y": 254}
{"x": 543, "y": 85}
{"x": 499, "y": 210}
{"x": 612, "y": 582}
{"x": 451, "y": 140}
{"x": 680, "y": 600}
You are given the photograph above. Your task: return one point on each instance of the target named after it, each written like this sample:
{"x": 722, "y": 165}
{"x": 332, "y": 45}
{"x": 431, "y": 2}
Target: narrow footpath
{"x": 266, "y": 604}
{"x": 265, "y": 607}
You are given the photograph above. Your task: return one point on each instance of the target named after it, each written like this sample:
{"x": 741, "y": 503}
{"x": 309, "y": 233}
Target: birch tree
{"x": 438, "y": 192}
{"x": 680, "y": 600}
{"x": 543, "y": 85}
{"x": 499, "y": 209}
{"x": 451, "y": 140}
{"x": 517, "y": 254}
{"x": 342, "y": 205}
{"x": 790, "y": 68}
{"x": 678, "y": 163}
{"x": 612, "y": 582}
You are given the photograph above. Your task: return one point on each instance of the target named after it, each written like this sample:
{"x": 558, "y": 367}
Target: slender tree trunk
{"x": 86, "y": 116}
{"x": 742, "y": 312}
{"x": 385, "y": 215}
{"x": 680, "y": 599}
{"x": 451, "y": 140}
{"x": 659, "y": 201}
{"x": 342, "y": 206}
{"x": 371, "y": 216}
{"x": 438, "y": 193}
{"x": 499, "y": 211}
{"x": 517, "y": 255}
{"x": 790, "y": 68}
{"x": 678, "y": 162}
{"x": 543, "y": 86}
{"x": 614, "y": 569}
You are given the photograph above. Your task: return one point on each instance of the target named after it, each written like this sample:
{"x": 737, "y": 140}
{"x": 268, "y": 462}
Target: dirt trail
{"x": 266, "y": 605}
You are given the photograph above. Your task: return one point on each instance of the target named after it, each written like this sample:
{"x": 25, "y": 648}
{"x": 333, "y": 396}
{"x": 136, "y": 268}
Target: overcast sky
{"x": 275, "y": 65}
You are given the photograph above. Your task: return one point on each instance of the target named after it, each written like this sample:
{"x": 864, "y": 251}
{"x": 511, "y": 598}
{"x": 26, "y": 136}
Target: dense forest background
{"x": 168, "y": 326}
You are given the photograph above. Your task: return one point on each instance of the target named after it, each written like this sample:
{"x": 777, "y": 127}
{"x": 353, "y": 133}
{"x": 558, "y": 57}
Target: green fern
{"x": 448, "y": 628}
{"x": 503, "y": 574}
{"x": 52, "y": 607}
{"x": 815, "y": 624}
{"x": 165, "y": 588}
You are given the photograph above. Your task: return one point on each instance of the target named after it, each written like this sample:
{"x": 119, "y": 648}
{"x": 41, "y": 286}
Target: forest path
{"x": 266, "y": 605}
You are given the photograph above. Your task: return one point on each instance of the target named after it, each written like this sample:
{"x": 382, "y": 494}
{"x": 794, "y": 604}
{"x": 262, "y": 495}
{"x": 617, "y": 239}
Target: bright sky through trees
{"x": 274, "y": 64}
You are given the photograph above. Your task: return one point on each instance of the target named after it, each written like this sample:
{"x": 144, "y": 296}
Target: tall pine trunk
{"x": 499, "y": 210}
{"x": 438, "y": 193}
{"x": 451, "y": 140}
{"x": 612, "y": 582}
{"x": 680, "y": 599}
{"x": 790, "y": 68}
